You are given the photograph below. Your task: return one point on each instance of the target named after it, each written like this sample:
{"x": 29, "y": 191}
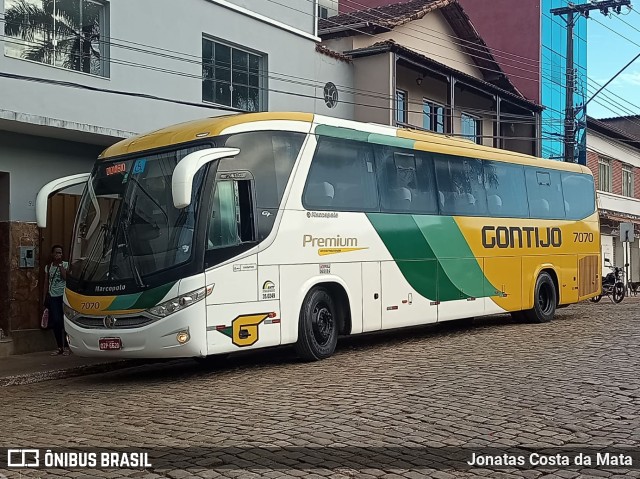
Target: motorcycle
{"x": 612, "y": 284}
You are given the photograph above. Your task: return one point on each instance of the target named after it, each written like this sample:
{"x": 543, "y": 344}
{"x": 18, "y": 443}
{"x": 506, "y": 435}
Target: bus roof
{"x": 194, "y": 130}
{"x": 401, "y": 137}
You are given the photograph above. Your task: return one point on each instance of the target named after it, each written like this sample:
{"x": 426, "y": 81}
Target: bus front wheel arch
{"x": 545, "y": 298}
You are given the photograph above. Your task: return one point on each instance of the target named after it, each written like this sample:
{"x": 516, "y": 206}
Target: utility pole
{"x": 573, "y": 12}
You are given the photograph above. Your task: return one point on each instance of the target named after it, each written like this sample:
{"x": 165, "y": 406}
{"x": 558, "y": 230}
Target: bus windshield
{"x": 127, "y": 226}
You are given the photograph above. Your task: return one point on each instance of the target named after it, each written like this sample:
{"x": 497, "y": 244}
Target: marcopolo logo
{"x": 526, "y": 237}
{"x": 322, "y": 214}
{"x": 110, "y": 289}
{"x": 331, "y": 245}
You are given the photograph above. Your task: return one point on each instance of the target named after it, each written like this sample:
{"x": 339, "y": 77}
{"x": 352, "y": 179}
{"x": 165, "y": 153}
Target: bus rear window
{"x": 579, "y": 195}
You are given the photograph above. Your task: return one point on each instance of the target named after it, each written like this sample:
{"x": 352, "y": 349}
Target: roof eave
{"x": 386, "y": 48}
{"x": 612, "y": 132}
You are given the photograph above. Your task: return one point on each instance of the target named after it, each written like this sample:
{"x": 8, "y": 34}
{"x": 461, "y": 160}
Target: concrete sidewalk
{"x": 36, "y": 367}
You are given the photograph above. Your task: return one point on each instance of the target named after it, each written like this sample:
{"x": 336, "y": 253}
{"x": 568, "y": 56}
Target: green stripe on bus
{"x": 391, "y": 141}
{"x": 378, "y": 139}
{"x": 344, "y": 133}
{"x": 122, "y": 303}
{"x": 454, "y": 254}
{"x": 432, "y": 255}
{"x": 144, "y": 300}
{"x": 412, "y": 253}
{"x": 153, "y": 297}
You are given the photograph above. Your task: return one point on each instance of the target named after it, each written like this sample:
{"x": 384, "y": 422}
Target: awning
{"x": 619, "y": 216}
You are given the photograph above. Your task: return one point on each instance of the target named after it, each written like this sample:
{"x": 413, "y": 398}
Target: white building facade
{"x": 79, "y": 75}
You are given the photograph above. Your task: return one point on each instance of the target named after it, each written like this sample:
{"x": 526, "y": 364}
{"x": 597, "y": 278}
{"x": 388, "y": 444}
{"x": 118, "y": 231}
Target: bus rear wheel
{"x": 318, "y": 326}
{"x": 545, "y": 300}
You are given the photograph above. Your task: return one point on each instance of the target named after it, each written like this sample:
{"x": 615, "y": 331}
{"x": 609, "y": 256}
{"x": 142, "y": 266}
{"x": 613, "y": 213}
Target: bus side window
{"x": 406, "y": 181}
{"x": 231, "y": 222}
{"x": 506, "y": 190}
{"x": 342, "y": 177}
{"x": 544, "y": 192}
{"x": 461, "y": 186}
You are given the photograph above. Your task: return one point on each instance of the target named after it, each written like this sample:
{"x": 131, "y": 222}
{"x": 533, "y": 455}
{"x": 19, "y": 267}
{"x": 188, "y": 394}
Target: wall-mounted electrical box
{"x": 27, "y": 256}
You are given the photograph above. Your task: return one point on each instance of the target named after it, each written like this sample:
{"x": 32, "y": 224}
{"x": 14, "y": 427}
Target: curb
{"x": 76, "y": 371}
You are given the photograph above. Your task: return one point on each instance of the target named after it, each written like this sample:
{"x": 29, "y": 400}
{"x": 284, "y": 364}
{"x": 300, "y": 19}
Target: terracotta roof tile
{"x": 388, "y": 16}
{"x": 373, "y": 21}
{"x": 330, "y": 53}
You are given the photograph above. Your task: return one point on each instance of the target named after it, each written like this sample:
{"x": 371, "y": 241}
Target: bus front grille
{"x": 128, "y": 322}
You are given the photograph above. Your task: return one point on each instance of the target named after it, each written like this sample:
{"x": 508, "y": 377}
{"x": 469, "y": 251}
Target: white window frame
{"x": 627, "y": 181}
{"x": 606, "y": 165}
{"x": 262, "y": 103}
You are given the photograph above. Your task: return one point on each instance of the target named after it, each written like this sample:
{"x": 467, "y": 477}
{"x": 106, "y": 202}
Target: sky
{"x": 607, "y": 53}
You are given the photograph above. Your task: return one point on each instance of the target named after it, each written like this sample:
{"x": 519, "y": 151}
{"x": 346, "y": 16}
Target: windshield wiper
{"x": 153, "y": 200}
{"x": 124, "y": 225}
{"x": 106, "y": 234}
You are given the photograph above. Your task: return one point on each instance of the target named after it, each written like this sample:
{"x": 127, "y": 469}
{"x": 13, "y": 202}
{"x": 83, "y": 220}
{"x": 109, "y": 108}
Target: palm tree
{"x": 68, "y": 35}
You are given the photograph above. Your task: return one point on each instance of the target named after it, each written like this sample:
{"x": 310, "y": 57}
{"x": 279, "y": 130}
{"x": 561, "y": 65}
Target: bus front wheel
{"x": 545, "y": 300}
{"x": 318, "y": 326}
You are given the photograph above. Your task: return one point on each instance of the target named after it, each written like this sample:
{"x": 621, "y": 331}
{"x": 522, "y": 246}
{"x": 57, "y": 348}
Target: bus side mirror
{"x": 53, "y": 187}
{"x": 186, "y": 169}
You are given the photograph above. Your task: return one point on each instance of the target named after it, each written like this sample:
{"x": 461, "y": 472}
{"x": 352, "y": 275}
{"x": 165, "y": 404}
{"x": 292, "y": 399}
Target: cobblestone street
{"x": 395, "y": 405}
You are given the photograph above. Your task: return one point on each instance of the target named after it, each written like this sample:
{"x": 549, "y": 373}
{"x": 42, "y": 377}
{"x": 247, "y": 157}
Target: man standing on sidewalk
{"x": 55, "y": 282}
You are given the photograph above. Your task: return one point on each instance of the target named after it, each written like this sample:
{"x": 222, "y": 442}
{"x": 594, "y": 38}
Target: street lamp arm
{"x": 583, "y": 107}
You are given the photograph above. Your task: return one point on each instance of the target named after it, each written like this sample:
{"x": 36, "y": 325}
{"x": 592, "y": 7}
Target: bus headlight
{"x": 181, "y": 302}
{"x": 69, "y": 312}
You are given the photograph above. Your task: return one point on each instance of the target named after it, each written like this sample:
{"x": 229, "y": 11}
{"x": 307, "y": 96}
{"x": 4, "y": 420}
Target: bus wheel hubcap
{"x": 322, "y": 322}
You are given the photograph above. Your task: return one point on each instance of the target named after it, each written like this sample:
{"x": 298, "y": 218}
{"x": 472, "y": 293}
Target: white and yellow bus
{"x": 258, "y": 230}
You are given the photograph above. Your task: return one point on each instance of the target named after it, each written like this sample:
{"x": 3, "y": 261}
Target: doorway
{"x": 61, "y": 215}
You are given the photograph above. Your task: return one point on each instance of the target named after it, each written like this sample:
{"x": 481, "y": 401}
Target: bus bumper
{"x": 156, "y": 340}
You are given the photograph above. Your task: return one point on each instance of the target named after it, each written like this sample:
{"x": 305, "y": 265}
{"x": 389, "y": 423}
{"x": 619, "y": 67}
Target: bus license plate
{"x": 110, "y": 344}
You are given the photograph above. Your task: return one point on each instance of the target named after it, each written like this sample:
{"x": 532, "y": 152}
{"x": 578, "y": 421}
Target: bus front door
{"x": 243, "y": 309}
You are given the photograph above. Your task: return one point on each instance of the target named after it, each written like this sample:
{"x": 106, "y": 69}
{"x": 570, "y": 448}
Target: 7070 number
{"x": 582, "y": 237}
{"x": 95, "y": 305}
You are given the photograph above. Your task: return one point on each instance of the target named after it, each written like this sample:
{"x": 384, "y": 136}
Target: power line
{"x": 198, "y": 76}
{"x": 414, "y": 49}
{"x": 531, "y": 62}
{"x": 197, "y": 60}
{"x": 269, "y": 75}
{"x": 153, "y": 97}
